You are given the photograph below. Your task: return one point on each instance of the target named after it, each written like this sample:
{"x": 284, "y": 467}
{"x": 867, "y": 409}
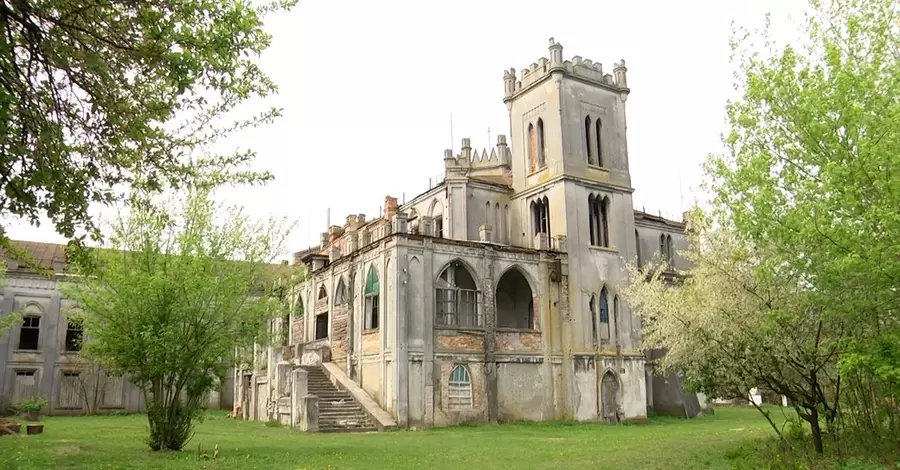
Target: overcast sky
{"x": 368, "y": 89}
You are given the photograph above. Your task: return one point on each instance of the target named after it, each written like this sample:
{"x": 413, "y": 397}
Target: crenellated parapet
{"x": 471, "y": 159}
{"x": 579, "y": 67}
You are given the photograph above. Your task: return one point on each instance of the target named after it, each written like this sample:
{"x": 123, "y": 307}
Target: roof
{"x": 49, "y": 255}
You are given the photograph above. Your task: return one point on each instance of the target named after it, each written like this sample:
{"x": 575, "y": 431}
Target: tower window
{"x": 604, "y": 314}
{"x": 637, "y": 244}
{"x": 541, "y": 146}
{"x": 598, "y": 220}
{"x": 587, "y": 141}
{"x": 540, "y": 215}
{"x": 599, "y": 137}
{"x": 532, "y": 148}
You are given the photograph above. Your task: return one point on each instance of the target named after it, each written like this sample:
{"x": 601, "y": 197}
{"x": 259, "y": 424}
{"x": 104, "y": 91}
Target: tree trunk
{"x": 815, "y": 429}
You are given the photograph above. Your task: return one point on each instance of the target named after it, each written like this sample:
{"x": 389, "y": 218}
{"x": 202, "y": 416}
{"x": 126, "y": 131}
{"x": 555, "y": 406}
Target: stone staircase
{"x": 338, "y": 411}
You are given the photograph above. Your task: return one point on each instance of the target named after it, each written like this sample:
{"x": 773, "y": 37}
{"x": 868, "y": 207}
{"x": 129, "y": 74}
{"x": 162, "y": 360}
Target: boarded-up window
{"x": 68, "y": 391}
{"x": 25, "y": 386}
{"x": 113, "y": 392}
{"x": 532, "y": 147}
{"x": 460, "y": 388}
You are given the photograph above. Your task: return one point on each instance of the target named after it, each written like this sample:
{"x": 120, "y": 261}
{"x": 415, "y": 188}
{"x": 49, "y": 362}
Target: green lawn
{"x": 719, "y": 441}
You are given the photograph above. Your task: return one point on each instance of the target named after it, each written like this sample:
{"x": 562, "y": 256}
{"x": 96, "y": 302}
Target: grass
{"x": 717, "y": 441}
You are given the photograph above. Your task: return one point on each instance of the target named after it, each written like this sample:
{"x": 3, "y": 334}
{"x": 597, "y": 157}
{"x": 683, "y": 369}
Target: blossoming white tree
{"x": 737, "y": 321}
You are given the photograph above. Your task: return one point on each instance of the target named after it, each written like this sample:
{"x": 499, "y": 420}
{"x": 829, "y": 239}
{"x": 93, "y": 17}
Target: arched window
{"x": 599, "y": 138}
{"x": 616, "y": 318}
{"x": 457, "y": 295}
{"x": 532, "y": 148}
{"x": 670, "y": 252}
{"x": 598, "y": 220}
{"x": 340, "y": 293}
{"x": 593, "y": 308}
{"x": 663, "y": 247}
{"x": 587, "y": 140}
{"x": 542, "y": 147}
{"x": 514, "y": 301}
{"x": 637, "y": 244}
{"x": 488, "y": 220}
{"x": 323, "y": 294}
{"x": 506, "y": 221}
{"x": 499, "y": 229}
{"x": 371, "y": 294}
{"x": 540, "y": 215}
{"x": 459, "y": 388}
{"x": 604, "y": 314}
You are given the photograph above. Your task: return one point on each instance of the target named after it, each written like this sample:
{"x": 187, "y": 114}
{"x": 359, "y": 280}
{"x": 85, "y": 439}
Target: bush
{"x": 31, "y": 405}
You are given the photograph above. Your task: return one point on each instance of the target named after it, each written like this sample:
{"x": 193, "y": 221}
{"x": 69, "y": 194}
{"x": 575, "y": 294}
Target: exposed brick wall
{"x": 339, "y": 331}
{"x": 297, "y": 330}
{"x": 519, "y": 341}
{"x": 371, "y": 341}
{"x": 460, "y": 341}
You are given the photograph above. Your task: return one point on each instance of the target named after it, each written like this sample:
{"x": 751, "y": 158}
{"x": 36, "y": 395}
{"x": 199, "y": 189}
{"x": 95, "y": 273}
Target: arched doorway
{"x": 609, "y": 398}
{"x": 515, "y": 303}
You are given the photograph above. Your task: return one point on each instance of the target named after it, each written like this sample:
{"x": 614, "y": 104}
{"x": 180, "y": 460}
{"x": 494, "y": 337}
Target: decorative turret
{"x": 621, "y": 79}
{"x": 556, "y": 49}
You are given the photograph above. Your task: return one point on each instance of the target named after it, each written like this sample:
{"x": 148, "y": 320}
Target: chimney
{"x": 390, "y": 207}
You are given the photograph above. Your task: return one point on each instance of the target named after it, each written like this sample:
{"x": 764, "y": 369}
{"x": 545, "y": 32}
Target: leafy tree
{"x": 99, "y": 96}
{"x": 736, "y": 321}
{"x": 180, "y": 289}
{"x": 809, "y": 172}
{"x": 10, "y": 319}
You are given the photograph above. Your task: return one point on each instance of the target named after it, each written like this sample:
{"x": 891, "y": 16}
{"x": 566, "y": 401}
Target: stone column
{"x": 299, "y": 382}
{"x": 310, "y": 410}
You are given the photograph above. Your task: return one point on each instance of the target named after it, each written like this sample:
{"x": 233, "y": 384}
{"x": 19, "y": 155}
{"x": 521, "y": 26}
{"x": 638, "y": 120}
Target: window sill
{"x": 604, "y": 249}
{"x": 598, "y": 167}
{"x": 506, "y": 329}
{"x": 28, "y": 351}
{"x": 536, "y": 171}
{"x": 469, "y": 328}
{"x": 69, "y": 353}
{"x": 370, "y": 331}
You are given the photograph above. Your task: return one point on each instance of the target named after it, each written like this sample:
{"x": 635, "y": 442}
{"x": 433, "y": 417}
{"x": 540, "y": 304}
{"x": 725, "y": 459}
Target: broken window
{"x": 30, "y": 333}
{"x": 456, "y": 297}
{"x": 515, "y": 302}
{"x": 540, "y": 215}
{"x": 322, "y": 325}
{"x": 459, "y": 388}
{"x": 598, "y": 220}
{"x": 371, "y": 295}
{"x": 340, "y": 294}
{"x": 74, "y": 333}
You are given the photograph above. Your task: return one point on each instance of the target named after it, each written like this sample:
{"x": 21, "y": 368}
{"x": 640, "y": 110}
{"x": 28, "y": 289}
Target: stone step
{"x": 333, "y": 413}
{"x": 342, "y": 429}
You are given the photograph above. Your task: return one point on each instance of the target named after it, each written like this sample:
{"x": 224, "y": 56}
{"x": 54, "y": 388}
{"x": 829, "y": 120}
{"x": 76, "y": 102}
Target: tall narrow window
{"x": 459, "y": 388}
{"x": 540, "y": 215}
{"x": 371, "y": 294}
{"x": 616, "y": 317}
{"x": 532, "y": 148}
{"x": 30, "y": 333}
{"x": 593, "y": 307}
{"x": 73, "y": 336}
{"x": 599, "y": 138}
{"x": 604, "y": 314}
{"x": 587, "y": 140}
{"x": 670, "y": 253}
{"x": 322, "y": 325}
{"x": 498, "y": 225}
{"x": 637, "y": 245}
{"x": 604, "y": 222}
{"x": 439, "y": 225}
{"x": 663, "y": 247}
{"x": 542, "y": 147}
{"x": 487, "y": 214}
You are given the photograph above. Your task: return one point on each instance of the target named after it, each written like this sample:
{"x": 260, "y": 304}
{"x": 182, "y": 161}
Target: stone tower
{"x": 572, "y": 191}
